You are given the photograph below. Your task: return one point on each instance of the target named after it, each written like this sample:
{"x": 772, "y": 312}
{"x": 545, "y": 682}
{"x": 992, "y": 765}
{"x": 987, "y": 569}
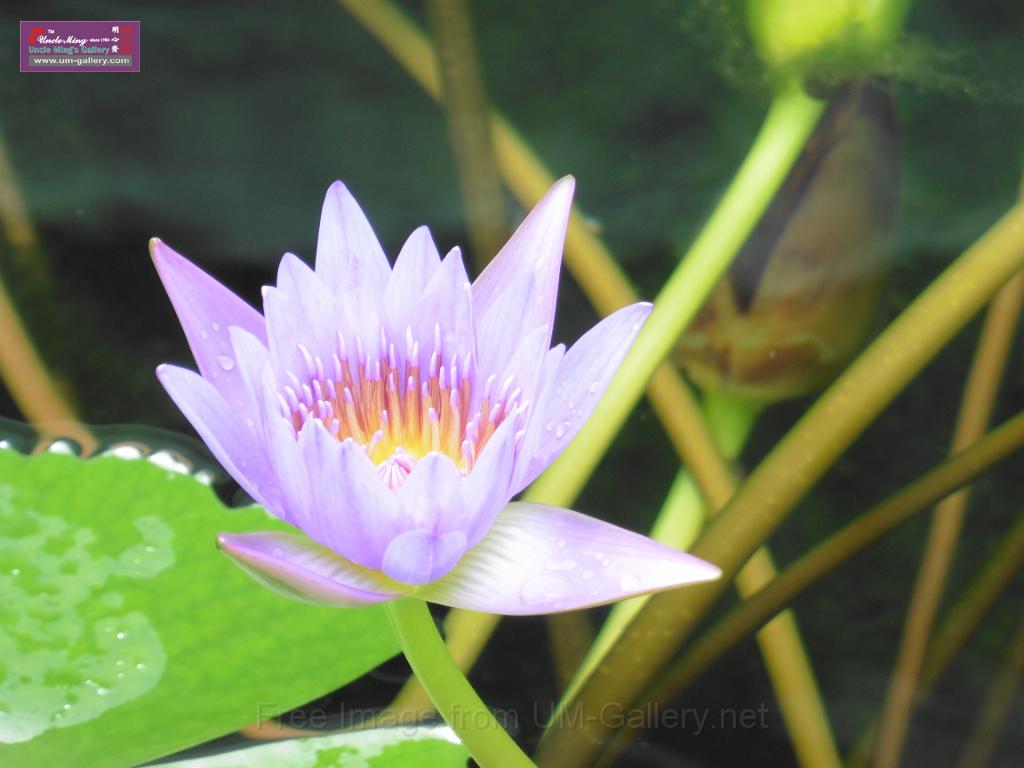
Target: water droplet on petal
{"x": 587, "y": 575}
{"x": 227, "y": 363}
{"x": 592, "y": 388}
{"x": 216, "y": 326}
{"x": 629, "y": 583}
{"x": 204, "y": 334}
{"x": 541, "y": 590}
{"x": 562, "y": 429}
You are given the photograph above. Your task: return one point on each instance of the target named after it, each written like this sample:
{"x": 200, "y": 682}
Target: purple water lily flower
{"x": 390, "y": 414}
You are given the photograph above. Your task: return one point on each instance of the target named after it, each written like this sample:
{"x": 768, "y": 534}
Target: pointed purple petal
{"x": 487, "y": 489}
{"x": 535, "y": 249}
{"x": 430, "y": 496}
{"x": 580, "y": 382}
{"x": 446, "y": 302}
{"x": 290, "y": 476}
{"x": 527, "y": 362}
{"x": 230, "y": 441}
{"x": 206, "y": 310}
{"x": 415, "y": 266}
{"x": 357, "y": 514}
{"x": 538, "y": 559}
{"x": 537, "y": 430}
{"x": 294, "y": 566}
{"x": 500, "y": 329}
{"x": 311, "y": 300}
{"x": 251, "y": 355}
{"x": 420, "y": 557}
{"x": 287, "y": 328}
{"x": 348, "y": 256}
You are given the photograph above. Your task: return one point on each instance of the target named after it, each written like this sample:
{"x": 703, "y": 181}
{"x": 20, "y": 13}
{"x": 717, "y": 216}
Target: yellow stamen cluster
{"x": 401, "y": 407}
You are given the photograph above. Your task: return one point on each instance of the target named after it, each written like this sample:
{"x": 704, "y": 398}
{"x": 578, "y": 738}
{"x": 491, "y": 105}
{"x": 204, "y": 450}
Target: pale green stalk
{"x": 459, "y": 705}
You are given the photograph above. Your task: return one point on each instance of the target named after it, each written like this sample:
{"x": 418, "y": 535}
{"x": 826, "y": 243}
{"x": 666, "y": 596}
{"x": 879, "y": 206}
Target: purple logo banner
{"x": 80, "y": 46}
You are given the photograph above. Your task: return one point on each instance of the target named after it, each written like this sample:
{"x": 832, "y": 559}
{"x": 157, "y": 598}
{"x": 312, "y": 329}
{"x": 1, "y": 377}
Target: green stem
{"x": 459, "y": 705}
{"x": 730, "y": 420}
{"x": 455, "y": 698}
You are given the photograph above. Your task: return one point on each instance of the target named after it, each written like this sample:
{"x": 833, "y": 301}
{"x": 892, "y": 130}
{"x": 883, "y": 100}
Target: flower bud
{"x": 801, "y": 296}
{"x": 784, "y": 30}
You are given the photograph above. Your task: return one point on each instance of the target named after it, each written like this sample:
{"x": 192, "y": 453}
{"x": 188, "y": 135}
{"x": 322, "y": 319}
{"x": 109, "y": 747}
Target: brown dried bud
{"x": 802, "y": 294}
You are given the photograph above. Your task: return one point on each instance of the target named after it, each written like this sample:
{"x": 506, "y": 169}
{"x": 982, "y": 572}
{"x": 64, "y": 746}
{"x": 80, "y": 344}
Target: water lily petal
{"x": 539, "y": 559}
{"x": 446, "y": 302}
{"x": 312, "y": 300}
{"x": 535, "y": 249}
{"x": 430, "y": 494}
{"x": 295, "y": 505}
{"x": 206, "y": 310}
{"x": 287, "y": 328}
{"x": 432, "y": 541}
{"x": 230, "y": 440}
{"x": 497, "y": 328}
{"x": 252, "y": 356}
{"x": 526, "y": 364}
{"x": 357, "y": 515}
{"x": 582, "y": 378}
{"x": 349, "y": 258}
{"x": 419, "y": 556}
{"x": 297, "y": 567}
{"x": 487, "y": 489}
{"x": 528, "y": 466}
{"x": 415, "y": 266}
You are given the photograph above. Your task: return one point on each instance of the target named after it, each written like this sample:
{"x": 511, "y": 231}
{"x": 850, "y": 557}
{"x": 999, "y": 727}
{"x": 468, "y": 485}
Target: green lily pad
{"x": 382, "y": 748}
{"x": 125, "y": 635}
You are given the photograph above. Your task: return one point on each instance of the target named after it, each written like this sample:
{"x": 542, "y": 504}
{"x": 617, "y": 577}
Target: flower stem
{"x": 459, "y": 705}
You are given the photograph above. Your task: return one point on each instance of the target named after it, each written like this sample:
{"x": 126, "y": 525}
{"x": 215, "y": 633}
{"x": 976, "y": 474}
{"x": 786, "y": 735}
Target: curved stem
{"x": 459, "y": 705}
